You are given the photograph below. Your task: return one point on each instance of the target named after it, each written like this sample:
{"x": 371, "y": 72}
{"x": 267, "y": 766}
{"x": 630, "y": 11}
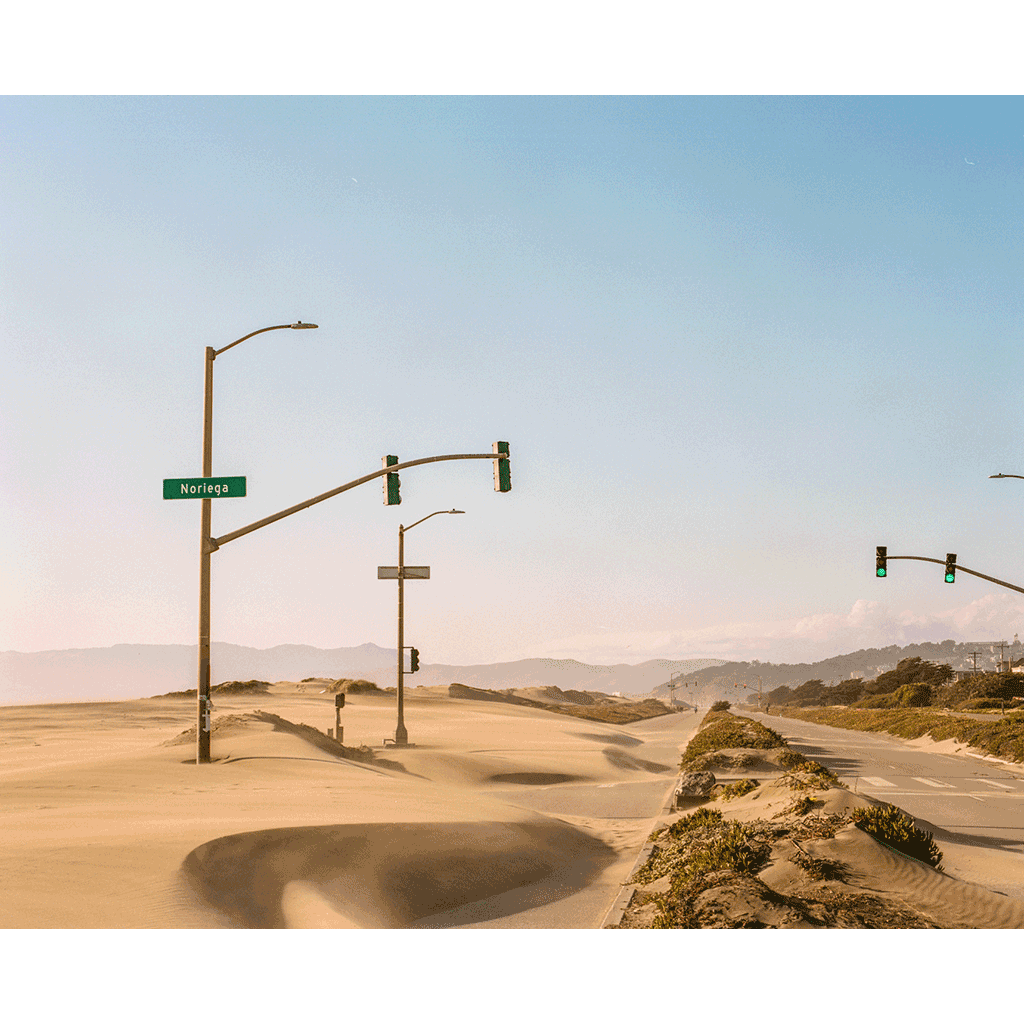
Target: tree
{"x": 846, "y": 692}
{"x": 810, "y": 692}
{"x": 911, "y": 671}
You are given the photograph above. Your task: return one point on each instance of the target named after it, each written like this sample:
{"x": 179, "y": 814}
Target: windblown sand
{"x": 492, "y": 819}
{"x": 109, "y": 823}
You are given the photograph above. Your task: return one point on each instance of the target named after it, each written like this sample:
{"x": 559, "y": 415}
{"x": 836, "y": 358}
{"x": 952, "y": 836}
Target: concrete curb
{"x": 618, "y": 910}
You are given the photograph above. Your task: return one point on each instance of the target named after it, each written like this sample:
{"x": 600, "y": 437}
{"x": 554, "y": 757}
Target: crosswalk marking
{"x": 932, "y": 782}
{"x": 991, "y": 782}
{"x": 875, "y": 781}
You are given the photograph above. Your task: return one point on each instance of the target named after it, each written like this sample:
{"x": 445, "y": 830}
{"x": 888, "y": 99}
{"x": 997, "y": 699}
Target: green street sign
{"x": 206, "y": 487}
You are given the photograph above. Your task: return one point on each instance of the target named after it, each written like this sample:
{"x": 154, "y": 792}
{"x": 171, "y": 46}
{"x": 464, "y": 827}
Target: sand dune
{"x": 109, "y": 823}
{"x": 875, "y": 885}
{"x": 501, "y": 815}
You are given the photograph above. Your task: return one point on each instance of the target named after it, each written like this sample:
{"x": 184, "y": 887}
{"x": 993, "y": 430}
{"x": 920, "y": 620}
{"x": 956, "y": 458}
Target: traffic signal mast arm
{"x": 235, "y": 534}
{"x": 959, "y": 568}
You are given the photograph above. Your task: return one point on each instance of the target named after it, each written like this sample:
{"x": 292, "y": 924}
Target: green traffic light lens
{"x": 949, "y": 577}
{"x": 879, "y": 572}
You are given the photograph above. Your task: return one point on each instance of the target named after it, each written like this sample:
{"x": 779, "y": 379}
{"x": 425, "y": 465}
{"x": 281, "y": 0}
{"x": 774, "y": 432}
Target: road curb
{"x": 618, "y": 910}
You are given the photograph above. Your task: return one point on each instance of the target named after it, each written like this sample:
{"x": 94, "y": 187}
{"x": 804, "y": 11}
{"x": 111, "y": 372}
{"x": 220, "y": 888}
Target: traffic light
{"x": 391, "y": 482}
{"x": 414, "y": 659}
{"x": 950, "y": 568}
{"x": 880, "y": 560}
{"x": 502, "y": 476}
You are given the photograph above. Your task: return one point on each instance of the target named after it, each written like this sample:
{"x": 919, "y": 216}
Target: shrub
{"x": 893, "y": 828}
{"x": 699, "y": 819}
{"x": 878, "y": 700}
{"x": 740, "y": 788}
{"x": 726, "y": 731}
{"x": 721, "y": 705}
{"x": 732, "y": 850}
{"x": 913, "y": 695}
{"x": 790, "y": 759}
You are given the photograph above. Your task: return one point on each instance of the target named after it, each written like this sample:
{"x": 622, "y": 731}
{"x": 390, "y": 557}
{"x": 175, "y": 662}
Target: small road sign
{"x": 206, "y": 487}
{"x": 412, "y": 572}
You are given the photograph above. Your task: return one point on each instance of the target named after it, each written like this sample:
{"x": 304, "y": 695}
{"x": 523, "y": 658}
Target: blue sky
{"x": 734, "y": 342}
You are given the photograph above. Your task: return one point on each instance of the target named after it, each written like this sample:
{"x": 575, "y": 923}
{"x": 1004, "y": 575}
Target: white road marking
{"x": 990, "y": 782}
{"x": 932, "y": 782}
{"x": 874, "y": 781}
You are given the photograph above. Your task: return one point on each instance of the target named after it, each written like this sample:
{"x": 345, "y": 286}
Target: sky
{"x": 734, "y": 342}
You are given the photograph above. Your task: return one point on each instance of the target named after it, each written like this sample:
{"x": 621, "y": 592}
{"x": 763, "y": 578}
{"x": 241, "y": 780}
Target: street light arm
{"x": 262, "y": 330}
{"x": 439, "y": 512}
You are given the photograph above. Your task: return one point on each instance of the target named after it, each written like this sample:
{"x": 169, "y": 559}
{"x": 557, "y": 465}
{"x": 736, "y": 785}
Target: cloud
{"x": 812, "y": 637}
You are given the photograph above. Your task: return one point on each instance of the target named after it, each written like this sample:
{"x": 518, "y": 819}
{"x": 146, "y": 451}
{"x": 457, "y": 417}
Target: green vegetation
{"x": 1003, "y": 737}
{"x": 722, "y": 730}
{"x": 721, "y": 705}
{"x": 895, "y": 829}
{"x": 738, "y": 788}
{"x": 701, "y": 817}
{"x": 811, "y": 775}
{"x": 615, "y": 714}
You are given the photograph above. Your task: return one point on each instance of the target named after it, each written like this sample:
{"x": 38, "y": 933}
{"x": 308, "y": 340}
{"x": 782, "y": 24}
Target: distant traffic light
{"x": 391, "y": 482}
{"x": 502, "y": 474}
{"x": 880, "y": 560}
{"x": 950, "y": 568}
{"x": 414, "y": 659}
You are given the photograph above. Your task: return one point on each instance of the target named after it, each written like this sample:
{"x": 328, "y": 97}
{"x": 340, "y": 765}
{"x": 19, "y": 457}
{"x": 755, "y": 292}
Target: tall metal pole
{"x": 205, "y": 549}
{"x": 401, "y": 734}
{"x": 207, "y": 546}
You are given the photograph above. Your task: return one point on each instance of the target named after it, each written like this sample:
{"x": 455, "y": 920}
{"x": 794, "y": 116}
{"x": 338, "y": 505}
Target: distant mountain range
{"x": 127, "y": 671}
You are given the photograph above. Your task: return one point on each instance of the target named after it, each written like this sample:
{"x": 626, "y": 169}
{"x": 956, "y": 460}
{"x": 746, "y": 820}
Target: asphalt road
{"x": 973, "y": 801}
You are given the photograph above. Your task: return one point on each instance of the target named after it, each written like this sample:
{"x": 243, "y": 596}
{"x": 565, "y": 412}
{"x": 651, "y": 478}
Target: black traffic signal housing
{"x": 880, "y": 569}
{"x": 391, "y": 482}
{"x": 414, "y": 659}
{"x": 950, "y": 568}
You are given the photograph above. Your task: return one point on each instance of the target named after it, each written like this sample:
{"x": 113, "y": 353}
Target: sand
{"x": 888, "y": 889}
{"x": 500, "y": 816}
{"x": 494, "y": 818}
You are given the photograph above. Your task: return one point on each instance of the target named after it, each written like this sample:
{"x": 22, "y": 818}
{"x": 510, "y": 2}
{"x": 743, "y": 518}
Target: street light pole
{"x": 401, "y": 733}
{"x": 207, "y": 547}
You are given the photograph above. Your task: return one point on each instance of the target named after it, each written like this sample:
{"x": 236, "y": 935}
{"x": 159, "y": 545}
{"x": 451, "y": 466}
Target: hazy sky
{"x": 733, "y": 342}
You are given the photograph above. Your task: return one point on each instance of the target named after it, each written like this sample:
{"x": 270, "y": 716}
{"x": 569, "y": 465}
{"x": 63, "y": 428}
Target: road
{"x": 963, "y": 799}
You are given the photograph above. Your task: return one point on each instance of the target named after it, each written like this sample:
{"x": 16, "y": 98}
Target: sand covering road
{"x": 109, "y": 823}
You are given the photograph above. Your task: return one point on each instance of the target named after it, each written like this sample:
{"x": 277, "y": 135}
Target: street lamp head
{"x": 300, "y": 326}
{"x": 456, "y": 512}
